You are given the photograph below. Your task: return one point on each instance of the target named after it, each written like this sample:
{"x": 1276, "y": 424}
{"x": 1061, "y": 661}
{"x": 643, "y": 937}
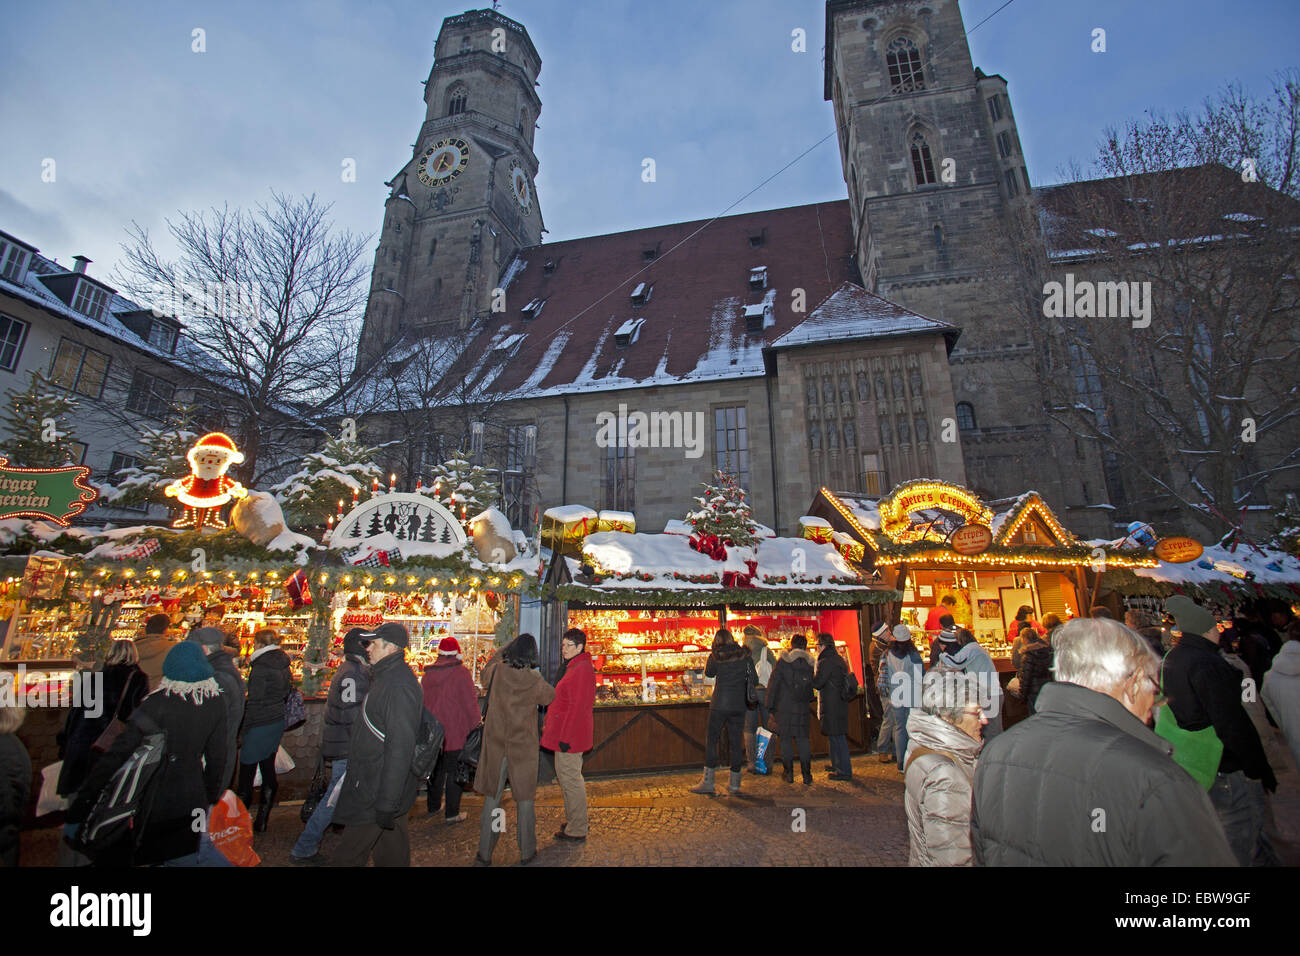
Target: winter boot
{"x": 734, "y": 785}
{"x": 806, "y": 767}
{"x": 706, "y": 783}
{"x": 788, "y": 773}
{"x": 264, "y": 808}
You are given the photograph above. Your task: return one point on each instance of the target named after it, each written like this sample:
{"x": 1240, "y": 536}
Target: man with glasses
{"x": 378, "y": 788}
{"x": 1085, "y": 781}
{"x": 570, "y": 729}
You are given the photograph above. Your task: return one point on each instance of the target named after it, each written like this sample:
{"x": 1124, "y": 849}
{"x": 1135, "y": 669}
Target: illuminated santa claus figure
{"x": 207, "y": 489}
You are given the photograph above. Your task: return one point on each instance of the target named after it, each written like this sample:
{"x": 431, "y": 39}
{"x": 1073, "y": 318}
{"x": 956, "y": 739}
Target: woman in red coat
{"x": 450, "y": 696}
{"x": 568, "y": 730}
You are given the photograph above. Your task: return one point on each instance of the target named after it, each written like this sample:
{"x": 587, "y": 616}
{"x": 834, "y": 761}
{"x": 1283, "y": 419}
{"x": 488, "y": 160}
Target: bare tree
{"x": 1195, "y": 403}
{"x": 268, "y": 298}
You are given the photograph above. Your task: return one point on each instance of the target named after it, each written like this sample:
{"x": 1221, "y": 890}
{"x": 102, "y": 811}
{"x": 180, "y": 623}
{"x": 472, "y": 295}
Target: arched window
{"x": 904, "y": 62}
{"x": 456, "y": 100}
{"x": 922, "y": 161}
{"x": 853, "y": 173}
{"x": 965, "y": 416}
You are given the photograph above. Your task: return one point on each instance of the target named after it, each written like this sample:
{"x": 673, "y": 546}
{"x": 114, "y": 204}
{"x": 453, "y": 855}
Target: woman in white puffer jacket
{"x": 943, "y": 743}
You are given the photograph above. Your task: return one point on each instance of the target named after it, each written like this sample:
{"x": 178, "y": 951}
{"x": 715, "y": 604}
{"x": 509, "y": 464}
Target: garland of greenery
{"x": 1124, "y": 581}
{"x": 744, "y": 597}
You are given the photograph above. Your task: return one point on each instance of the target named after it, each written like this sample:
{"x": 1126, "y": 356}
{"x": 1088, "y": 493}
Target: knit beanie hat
{"x": 1190, "y": 617}
{"x": 881, "y": 633}
{"x": 449, "y": 647}
{"x": 187, "y": 673}
{"x": 902, "y": 632}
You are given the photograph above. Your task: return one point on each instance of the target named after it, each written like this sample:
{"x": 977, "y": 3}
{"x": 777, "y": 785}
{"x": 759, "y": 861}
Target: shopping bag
{"x": 49, "y": 801}
{"x": 764, "y": 737}
{"x": 231, "y": 830}
{"x": 283, "y": 764}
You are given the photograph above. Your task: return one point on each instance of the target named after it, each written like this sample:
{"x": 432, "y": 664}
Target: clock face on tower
{"x": 520, "y": 187}
{"x": 443, "y": 161}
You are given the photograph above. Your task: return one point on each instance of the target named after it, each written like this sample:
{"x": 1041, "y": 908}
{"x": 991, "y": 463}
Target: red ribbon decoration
{"x": 734, "y": 579}
{"x": 709, "y": 544}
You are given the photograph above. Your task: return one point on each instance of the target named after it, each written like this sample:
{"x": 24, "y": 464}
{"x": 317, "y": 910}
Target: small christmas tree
{"x": 38, "y": 426}
{"x": 462, "y": 488}
{"x": 724, "y": 512}
{"x": 311, "y": 494}
{"x": 162, "y": 462}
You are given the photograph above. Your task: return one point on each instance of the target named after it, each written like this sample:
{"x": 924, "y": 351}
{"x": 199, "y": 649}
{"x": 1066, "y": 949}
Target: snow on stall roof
{"x": 1245, "y": 558}
{"x": 662, "y": 555}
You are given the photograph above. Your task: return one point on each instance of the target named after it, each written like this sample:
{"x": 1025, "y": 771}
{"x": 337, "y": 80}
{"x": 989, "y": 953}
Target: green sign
{"x": 52, "y": 494}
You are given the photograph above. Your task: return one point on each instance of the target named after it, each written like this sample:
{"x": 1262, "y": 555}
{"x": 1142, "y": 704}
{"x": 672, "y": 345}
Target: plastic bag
{"x": 231, "y": 830}
{"x": 763, "y": 737}
{"x": 283, "y": 764}
{"x": 49, "y": 800}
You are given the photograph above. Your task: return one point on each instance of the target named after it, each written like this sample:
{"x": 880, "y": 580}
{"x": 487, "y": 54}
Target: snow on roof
{"x": 851, "y": 312}
{"x": 662, "y": 555}
{"x": 1245, "y": 558}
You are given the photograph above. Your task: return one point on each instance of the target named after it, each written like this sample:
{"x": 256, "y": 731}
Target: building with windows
{"x": 116, "y": 359}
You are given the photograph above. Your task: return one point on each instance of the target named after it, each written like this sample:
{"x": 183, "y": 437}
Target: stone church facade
{"x": 892, "y": 356}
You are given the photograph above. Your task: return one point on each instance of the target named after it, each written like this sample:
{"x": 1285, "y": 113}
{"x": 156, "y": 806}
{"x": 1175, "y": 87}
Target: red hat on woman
{"x": 449, "y": 645}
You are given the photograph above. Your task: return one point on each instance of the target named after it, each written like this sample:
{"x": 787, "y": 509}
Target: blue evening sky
{"x": 140, "y": 127}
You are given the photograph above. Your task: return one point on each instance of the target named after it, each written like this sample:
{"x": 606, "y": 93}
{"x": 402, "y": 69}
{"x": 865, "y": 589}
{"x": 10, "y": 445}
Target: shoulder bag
{"x": 472, "y": 749}
{"x": 1196, "y": 751}
{"x": 115, "y": 727}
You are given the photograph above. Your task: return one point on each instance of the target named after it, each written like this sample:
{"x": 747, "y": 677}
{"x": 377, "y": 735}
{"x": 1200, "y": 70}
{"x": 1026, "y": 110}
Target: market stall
{"x": 1216, "y": 575}
{"x": 651, "y": 604}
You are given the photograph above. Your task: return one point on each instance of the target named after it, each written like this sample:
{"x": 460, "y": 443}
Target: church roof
{"x": 691, "y": 282}
{"x": 852, "y": 313}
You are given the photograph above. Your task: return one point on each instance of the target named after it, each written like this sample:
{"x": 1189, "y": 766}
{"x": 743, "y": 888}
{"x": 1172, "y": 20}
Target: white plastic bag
{"x": 283, "y": 764}
{"x": 49, "y": 800}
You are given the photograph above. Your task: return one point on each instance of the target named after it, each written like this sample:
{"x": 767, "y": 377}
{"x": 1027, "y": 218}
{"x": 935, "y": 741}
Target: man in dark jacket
{"x": 232, "y": 688}
{"x": 347, "y": 690}
{"x": 833, "y": 709}
{"x": 1086, "y": 782}
{"x": 378, "y": 789}
{"x": 1204, "y": 690}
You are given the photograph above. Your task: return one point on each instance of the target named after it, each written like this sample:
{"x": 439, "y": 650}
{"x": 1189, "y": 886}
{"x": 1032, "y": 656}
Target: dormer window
{"x": 649, "y": 255}
{"x": 162, "y": 336}
{"x": 758, "y": 279}
{"x": 755, "y": 318}
{"x": 641, "y": 294}
{"x": 756, "y": 241}
{"x": 90, "y": 299}
{"x": 627, "y": 332}
{"x": 549, "y": 268}
{"x": 533, "y": 309}
{"x": 13, "y": 261}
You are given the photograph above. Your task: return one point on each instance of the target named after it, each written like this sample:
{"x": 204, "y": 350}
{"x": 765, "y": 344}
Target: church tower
{"x": 464, "y": 203}
{"x": 934, "y": 169}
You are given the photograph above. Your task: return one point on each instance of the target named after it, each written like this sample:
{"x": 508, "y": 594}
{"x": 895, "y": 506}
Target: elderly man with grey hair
{"x": 943, "y": 741}
{"x": 1086, "y": 782}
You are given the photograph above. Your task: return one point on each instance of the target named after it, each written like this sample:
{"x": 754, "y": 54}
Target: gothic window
{"x": 1013, "y": 184}
{"x": 904, "y": 432}
{"x": 904, "y": 62}
{"x": 922, "y": 161}
{"x": 914, "y": 379}
{"x": 864, "y": 388}
{"x": 812, "y": 392}
{"x": 815, "y": 438}
{"x": 995, "y": 108}
{"x": 456, "y": 100}
{"x": 965, "y": 416}
{"x": 922, "y": 430}
{"x": 828, "y": 392}
{"x": 881, "y": 392}
{"x": 850, "y": 435}
{"x": 1005, "y": 148}
{"x": 620, "y": 476}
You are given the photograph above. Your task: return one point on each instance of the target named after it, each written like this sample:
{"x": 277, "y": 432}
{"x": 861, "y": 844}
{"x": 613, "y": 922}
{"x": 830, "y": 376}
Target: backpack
{"x": 428, "y": 744}
{"x": 849, "y": 685}
{"x": 801, "y": 684}
{"x": 121, "y": 810}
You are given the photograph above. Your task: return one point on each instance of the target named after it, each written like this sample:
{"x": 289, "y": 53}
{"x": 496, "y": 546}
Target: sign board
{"x": 971, "y": 539}
{"x": 1178, "y": 550}
{"x": 50, "y": 494}
{"x": 404, "y": 515}
{"x": 929, "y": 510}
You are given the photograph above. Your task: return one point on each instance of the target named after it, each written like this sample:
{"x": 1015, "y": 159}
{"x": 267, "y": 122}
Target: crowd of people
{"x": 1145, "y": 743}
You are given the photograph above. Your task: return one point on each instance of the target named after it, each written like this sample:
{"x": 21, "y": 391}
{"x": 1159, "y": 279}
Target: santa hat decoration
{"x": 217, "y": 441}
{"x": 297, "y": 590}
{"x": 449, "y": 646}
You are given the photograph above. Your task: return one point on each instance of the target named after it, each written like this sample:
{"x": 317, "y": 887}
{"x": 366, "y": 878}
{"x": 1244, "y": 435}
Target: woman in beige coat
{"x": 510, "y": 745}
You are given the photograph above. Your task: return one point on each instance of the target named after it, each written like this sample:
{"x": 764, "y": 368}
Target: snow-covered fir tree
{"x": 311, "y": 494}
{"x": 724, "y": 512}
{"x": 462, "y": 488}
{"x": 38, "y": 425}
{"x": 162, "y": 460}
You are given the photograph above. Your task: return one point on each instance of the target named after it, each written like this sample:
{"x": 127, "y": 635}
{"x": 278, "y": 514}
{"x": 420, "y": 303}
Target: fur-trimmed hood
{"x": 798, "y": 654}
{"x": 730, "y": 652}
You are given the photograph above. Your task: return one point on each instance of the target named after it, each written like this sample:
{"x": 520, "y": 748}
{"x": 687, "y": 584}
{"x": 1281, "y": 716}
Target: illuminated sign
{"x": 50, "y": 494}
{"x": 971, "y": 539}
{"x": 206, "y": 489}
{"x": 930, "y": 510}
{"x": 1178, "y": 550}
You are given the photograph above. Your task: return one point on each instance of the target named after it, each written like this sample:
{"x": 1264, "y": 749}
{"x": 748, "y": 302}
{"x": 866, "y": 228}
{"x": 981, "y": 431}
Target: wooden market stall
{"x": 650, "y": 605}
